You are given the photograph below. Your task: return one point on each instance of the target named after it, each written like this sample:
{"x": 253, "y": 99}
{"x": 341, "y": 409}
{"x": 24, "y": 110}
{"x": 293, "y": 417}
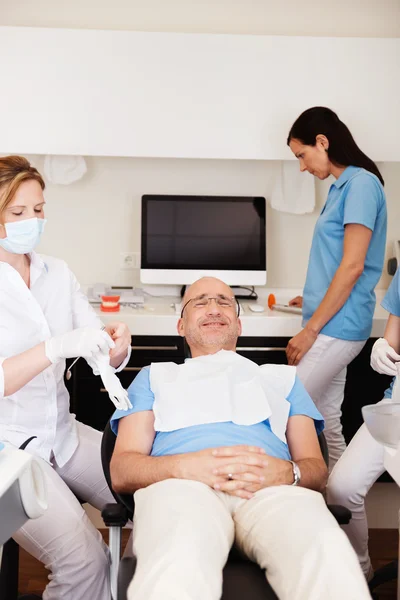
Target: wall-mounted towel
{"x": 291, "y": 190}
{"x": 64, "y": 169}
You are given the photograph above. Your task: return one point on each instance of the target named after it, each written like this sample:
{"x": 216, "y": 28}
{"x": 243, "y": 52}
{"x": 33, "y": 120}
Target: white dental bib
{"x": 221, "y": 387}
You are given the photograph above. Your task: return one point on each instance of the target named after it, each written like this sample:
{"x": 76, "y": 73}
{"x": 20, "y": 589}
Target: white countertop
{"x": 158, "y": 317}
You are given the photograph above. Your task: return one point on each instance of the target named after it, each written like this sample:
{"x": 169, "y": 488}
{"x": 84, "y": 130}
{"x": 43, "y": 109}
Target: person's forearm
{"x": 132, "y": 470}
{"x": 117, "y": 360}
{"x": 338, "y": 292}
{"x": 392, "y": 332}
{"x": 20, "y": 369}
{"x": 314, "y": 474}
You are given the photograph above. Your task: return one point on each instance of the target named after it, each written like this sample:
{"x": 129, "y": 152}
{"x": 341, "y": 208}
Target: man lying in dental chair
{"x": 219, "y": 450}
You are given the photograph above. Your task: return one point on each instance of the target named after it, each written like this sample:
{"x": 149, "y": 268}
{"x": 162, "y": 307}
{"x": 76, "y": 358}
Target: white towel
{"x": 218, "y": 388}
{"x": 64, "y": 169}
{"x": 292, "y": 191}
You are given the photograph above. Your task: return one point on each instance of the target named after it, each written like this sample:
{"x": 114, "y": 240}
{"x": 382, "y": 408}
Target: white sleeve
{"x": 125, "y": 361}
{"x": 1, "y": 377}
{"x": 82, "y": 312}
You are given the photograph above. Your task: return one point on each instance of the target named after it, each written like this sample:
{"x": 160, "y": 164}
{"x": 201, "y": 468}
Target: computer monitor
{"x": 188, "y": 237}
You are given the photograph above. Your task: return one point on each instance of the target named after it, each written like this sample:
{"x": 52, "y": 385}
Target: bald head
{"x": 210, "y": 322}
{"x": 206, "y": 283}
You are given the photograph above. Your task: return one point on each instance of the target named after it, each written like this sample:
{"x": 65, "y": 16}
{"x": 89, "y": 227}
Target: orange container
{"x": 109, "y": 303}
{"x": 271, "y": 300}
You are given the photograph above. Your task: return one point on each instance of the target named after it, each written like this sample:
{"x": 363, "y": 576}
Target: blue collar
{"x": 345, "y": 176}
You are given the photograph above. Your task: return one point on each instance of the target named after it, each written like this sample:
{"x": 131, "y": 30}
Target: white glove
{"x": 383, "y": 358}
{"x": 118, "y": 395}
{"x": 85, "y": 342}
{"x": 93, "y": 365}
{"x": 396, "y": 387}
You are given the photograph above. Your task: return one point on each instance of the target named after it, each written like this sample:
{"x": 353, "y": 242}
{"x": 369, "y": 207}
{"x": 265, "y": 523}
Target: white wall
{"x": 92, "y": 221}
{"x": 372, "y": 18}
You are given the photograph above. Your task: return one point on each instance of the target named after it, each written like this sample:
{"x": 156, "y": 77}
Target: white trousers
{"x": 183, "y": 531}
{"x": 64, "y": 539}
{"x": 351, "y": 479}
{"x": 323, "y": 373}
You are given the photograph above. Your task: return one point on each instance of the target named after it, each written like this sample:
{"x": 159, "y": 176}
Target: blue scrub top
{"x": 391, "y": 303}
{"x": 357, "y": 196}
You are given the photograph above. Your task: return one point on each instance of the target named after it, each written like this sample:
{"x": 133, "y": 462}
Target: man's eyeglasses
{"x": 221, "y": 300}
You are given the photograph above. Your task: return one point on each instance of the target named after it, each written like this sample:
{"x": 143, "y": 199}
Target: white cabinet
{"x": 122, "y": 93}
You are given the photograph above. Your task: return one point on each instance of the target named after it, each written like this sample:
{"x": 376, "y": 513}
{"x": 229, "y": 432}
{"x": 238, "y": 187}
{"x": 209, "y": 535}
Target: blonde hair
{"x": 14, "y": 170}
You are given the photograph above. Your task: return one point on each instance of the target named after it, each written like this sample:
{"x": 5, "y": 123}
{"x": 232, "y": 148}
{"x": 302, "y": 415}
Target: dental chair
{"x": 22, "y": 497}
{"x": 241, "y": 577}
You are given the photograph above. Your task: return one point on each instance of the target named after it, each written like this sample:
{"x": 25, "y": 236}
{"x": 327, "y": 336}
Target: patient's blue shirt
{"x": 213, "y": 435}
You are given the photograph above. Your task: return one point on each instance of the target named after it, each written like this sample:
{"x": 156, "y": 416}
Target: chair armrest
{"x": 114, "y": 515}
{"x": 341, "y": 513}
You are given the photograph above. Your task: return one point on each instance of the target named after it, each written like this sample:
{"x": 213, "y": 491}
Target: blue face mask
{"x": 22, "y": 236}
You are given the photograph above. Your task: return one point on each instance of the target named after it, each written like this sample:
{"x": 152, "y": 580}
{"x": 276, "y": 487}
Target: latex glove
{"x": 383, "y": 358}
{"x": 396, "y": 387}
{"x": 93, "y": 365}
{"x": 85, "y": 342}
{"x": 118, "y": 395}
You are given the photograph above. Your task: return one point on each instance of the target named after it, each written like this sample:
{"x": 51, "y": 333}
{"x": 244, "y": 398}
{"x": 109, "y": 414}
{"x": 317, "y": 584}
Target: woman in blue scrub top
{"x": 362, "y": 463}
{"x": 345, "y": 263}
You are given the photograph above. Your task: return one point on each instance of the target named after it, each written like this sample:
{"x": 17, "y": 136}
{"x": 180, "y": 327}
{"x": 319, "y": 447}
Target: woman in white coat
{"x": 44, "y": 319}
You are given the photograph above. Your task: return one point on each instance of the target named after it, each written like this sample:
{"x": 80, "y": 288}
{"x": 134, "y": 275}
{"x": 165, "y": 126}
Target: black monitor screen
{"x": 203, "y": 232}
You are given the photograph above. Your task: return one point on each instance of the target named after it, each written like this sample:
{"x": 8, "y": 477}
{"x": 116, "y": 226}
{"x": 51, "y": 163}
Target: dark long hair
{"x": 342, "y": 151}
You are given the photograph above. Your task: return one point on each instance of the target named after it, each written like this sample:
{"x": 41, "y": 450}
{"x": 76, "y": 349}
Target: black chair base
{"x": 126, "y": 571}
{"x": 236, "y": 577}
{"x": 9, "y": 574}
{"x": 384, "y": 574}
{"x": 241, "y": 578}
{"x": 9, "y": 571}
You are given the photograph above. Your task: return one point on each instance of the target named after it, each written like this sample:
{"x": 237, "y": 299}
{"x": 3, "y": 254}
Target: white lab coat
{"x": 53, "y": 305}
